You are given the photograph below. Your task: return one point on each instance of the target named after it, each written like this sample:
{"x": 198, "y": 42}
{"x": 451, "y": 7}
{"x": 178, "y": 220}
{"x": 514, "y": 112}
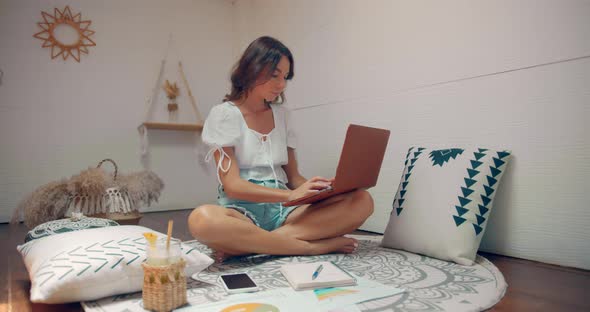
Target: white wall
{"x": 499, "y": 74}
{"x": 60, "y": 117}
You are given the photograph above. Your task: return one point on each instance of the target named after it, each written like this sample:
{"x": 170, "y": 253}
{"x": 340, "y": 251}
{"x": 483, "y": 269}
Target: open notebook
{"x": 300, "y": 275}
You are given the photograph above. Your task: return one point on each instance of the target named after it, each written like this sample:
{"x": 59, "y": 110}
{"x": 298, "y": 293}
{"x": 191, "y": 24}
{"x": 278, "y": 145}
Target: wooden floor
{"x": 532, "y": 286}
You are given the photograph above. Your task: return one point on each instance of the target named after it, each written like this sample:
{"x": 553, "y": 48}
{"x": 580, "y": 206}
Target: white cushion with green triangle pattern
{"x": 443, "y": 202}
{"x": 93, "y": 263}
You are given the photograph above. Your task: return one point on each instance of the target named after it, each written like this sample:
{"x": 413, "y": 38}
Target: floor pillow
{"x": 93, "y": 263}
{"x": 443, "y": 202}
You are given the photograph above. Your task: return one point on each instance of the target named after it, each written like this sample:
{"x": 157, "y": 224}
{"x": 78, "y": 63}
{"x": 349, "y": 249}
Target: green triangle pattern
{"x": 93, "y": 258}
{"x": 466, "y": 191}
{"x": 495, "y": 171}
{"x": 481, "y": 150}
{"x": 459, "y": 220}
{"x": 475, "y": 164}
{"x": 498, "y": 162}
{"x": 483, "y": 210}
{"x": 461, "y": 211}
{"x": 477, "y": 229}
{"x": 485, "y": 200}
{"x": 469, "y": 182}
{"x": 464, "y": 201}
{"x": 406, "y": 177}
{"x": 488, "y": 190}
{"x": 480, "y": 219}
{"x": 440, "y": 157}
{"x": 478, "y": 156}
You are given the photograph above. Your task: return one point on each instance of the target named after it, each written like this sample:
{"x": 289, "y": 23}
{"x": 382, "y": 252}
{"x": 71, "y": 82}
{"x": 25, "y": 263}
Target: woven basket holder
{"x": 113, "y": 204}
{"x": 164, "y": 287}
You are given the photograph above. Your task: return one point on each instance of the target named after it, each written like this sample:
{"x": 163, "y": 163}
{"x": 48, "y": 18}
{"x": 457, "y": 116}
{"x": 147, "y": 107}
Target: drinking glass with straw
{"x": 164, "y": 282}
{"x": 172, "y": 250}
{"x": 163, "y": 251}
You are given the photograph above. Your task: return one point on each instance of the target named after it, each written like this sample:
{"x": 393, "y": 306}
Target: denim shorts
{"x": 265, "y": 215}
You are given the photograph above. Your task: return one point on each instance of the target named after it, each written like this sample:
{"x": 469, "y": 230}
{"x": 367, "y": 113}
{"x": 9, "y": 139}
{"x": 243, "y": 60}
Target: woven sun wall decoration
{"x": 66, "y": 34}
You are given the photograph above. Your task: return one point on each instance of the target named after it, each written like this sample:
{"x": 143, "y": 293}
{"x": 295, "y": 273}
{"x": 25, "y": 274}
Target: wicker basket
{"x": 114, "y": 204}
{"x": 164, "y": 287}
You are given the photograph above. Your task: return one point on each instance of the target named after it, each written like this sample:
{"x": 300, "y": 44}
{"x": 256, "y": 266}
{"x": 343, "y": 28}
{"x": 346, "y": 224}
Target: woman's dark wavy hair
{"x": 261, "y": 57}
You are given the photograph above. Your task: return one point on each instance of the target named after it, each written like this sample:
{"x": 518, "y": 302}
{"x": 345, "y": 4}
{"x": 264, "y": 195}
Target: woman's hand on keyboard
{"x": 311, "y": 186}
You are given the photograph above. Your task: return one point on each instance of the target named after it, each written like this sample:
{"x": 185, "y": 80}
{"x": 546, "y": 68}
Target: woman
{"x": 254, "y": 149}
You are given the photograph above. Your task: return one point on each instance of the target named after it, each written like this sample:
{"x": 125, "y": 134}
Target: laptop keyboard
{"x": 329, "y": 188}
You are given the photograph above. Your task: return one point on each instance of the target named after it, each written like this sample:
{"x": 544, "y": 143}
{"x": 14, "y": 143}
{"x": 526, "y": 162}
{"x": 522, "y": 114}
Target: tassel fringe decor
{"x": 91, "y": 192}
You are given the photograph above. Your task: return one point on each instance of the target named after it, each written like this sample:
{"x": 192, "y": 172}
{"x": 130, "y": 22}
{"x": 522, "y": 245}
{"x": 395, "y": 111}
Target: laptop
{"x": 359, "y": 164}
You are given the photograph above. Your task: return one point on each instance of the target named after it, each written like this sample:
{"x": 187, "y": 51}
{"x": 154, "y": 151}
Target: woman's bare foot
{"x": 219, "y": 256}
{"x": 318, "y": 247}
{"x": 333, "y": 245}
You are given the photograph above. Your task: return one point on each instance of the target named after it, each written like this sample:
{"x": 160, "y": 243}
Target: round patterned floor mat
{"x": 430, "y": 284}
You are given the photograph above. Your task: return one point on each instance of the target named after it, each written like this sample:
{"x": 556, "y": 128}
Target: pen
{"x": 317, "y": 272}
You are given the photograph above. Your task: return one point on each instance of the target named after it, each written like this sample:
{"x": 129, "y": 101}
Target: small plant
{"x": 171, "y": 89}
{"x": 172, "y": 92}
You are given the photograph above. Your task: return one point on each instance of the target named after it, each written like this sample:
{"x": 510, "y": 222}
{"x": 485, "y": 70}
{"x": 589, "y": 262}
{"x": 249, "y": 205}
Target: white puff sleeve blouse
{"x": 260, "y": 156}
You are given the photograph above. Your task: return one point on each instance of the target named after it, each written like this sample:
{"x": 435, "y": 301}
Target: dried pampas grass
{"x": 52, "y": 200}
{"x": 93, "y": 182}
{"x": 142, "y": 187}
{"x": 48, "y": 202}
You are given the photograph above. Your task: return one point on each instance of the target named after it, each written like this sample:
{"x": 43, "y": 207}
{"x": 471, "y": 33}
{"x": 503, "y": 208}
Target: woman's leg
{"x": 230, "y": 232}
{"x": 332, "y": 217}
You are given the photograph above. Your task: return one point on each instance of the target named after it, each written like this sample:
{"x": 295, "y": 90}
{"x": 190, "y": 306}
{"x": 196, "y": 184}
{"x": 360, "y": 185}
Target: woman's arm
{"x": 238, "y": 188}
{"x": 292, "y": 170}
{"x": 296, "y": 180}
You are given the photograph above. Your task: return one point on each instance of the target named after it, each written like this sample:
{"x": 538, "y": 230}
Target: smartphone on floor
{"x": 238, "y": 283}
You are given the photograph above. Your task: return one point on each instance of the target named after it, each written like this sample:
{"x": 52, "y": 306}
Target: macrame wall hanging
{"x": 172, "y": 92}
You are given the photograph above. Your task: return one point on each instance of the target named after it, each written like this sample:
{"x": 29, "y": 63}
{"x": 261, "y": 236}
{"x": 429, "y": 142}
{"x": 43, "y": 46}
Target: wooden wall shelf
{"x": 173, "y": 126}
